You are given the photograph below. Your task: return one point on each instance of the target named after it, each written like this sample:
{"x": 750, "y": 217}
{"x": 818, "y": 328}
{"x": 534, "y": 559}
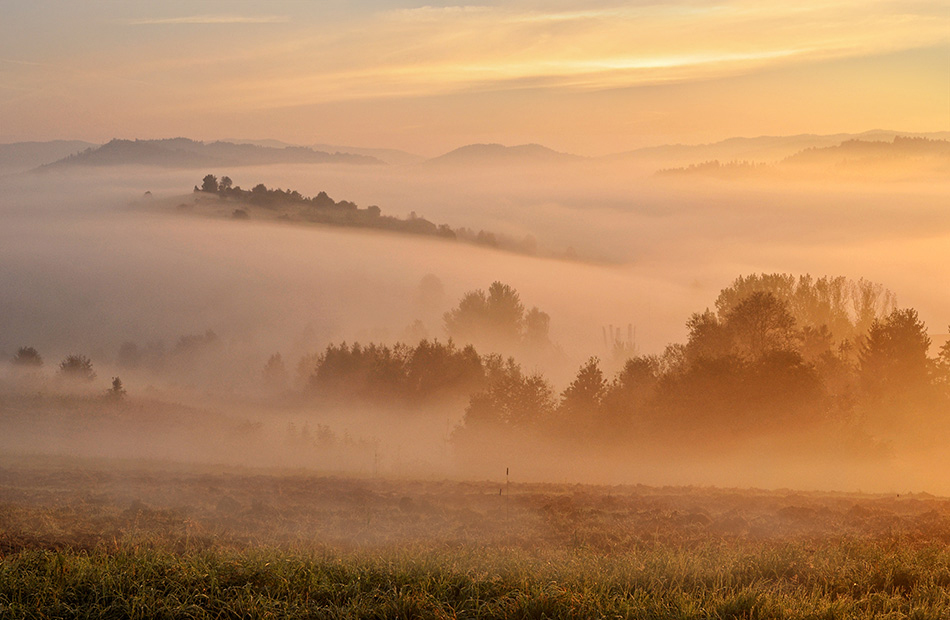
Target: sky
{"x": 586, "y": 77}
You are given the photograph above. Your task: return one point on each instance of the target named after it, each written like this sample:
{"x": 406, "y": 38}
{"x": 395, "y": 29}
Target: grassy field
{"x": 115, "y": 540}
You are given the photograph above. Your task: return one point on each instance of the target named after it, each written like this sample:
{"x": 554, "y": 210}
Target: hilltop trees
{"x": 497, "y": 320}
{"x": 291, "y": 205}
{"x": 209, "y": 184}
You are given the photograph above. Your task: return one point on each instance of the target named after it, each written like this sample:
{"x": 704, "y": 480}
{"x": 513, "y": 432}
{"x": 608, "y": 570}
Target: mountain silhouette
{"x": 499, "y": 154}
{"x": 186, "y": 153}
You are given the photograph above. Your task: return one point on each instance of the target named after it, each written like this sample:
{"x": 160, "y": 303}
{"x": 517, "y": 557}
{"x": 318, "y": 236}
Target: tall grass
{"x": 857, "y": 579}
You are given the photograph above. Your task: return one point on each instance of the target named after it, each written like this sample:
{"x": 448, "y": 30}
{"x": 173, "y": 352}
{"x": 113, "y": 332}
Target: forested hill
{"x": 185, "y": 153}
{"x": 263, "y": 203}
{"x": 916, "y": 158}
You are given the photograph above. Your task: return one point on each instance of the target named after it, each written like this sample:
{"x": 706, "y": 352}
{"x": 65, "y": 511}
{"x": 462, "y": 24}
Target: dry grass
{"x": 124, "y": 540}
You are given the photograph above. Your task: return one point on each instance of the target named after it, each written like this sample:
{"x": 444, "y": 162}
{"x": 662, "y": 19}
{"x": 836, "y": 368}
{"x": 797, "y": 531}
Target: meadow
{"x": 115, "y": 539}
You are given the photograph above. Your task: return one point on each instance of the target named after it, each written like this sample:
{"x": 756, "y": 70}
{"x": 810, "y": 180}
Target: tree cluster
{"x": 75, "y": 369}
{"x": 498, "y": 321}
{"x": 322, "y": 209}
{"x": 429, "y": 372}
{"x": 779, "y": 355}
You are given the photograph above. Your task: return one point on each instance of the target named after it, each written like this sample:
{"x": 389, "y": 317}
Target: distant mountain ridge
{"x": 761, "y": 149}
{"x": 490, "y": 154}
{"x": 902, "y": 157}
{"x": 187, "y": 153}
{"x": 389, "y": 156}
{"x": 856, "y": 150}
{"x": 26, "y": 155}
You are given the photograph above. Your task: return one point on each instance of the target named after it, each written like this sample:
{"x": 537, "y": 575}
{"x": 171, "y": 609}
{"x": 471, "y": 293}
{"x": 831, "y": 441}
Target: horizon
{"x": 867, "y": 135}
{"x": 427, "y": 79}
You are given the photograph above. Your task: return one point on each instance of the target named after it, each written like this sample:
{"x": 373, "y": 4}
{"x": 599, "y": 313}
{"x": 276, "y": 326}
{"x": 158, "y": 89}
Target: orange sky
{"x": 591, "y": 77}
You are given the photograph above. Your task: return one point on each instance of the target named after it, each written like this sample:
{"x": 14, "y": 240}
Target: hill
{"x": 186, "y": 153}
{"x": 25, "y": 155}
{"x": 499, "y": 154}
{"x": 860, "y": 152}
{"x": 901, "y": 158}
{"x": 761, "y": 149}
{"x": 389, "y": 156}
{"x": 261, "y": 203}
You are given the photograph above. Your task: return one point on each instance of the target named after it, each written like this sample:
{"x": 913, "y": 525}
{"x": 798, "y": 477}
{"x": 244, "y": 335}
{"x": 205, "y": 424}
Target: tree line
{"x": 778, "y": 354}
{"x": 322, "y": 209}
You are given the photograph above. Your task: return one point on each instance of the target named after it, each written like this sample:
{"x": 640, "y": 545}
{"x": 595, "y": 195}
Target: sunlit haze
{"x": 510, "y": 310}
{"x": 589, "y": 78}
{"x": 664, "y": 243}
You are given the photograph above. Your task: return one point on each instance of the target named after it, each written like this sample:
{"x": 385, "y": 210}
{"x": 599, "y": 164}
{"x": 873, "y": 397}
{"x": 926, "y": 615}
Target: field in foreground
{"x": 95, "y": 539}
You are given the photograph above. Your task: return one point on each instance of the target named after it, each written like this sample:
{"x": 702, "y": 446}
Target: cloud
{"x": 440, "y": 50}
{"x": 211, "y": 19}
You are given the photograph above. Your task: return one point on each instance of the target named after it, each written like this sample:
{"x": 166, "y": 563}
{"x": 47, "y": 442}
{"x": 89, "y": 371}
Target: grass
{"x": 857, "y": 580}
{"x": 105, "y": 543}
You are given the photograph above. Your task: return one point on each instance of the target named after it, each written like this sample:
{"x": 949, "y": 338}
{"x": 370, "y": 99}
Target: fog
{"x": 89, "y": 262}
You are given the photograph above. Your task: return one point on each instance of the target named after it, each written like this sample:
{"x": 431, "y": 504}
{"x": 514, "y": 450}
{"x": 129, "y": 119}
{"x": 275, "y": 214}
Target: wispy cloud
{"x": 464, "y": 48}
{"x": 597, "y": 48}
{"x": 211, "y": 19}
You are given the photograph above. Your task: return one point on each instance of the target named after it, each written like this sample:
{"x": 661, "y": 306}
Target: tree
{"x": 512, "y": 399}
{"x": 580, "y": 407}
{"x": 468, "y": 320}
{"x": 894, "y": 358}
{"x": 442, "y": 370}
{"x": 761, "y": 323}
{"x": 117, "y": 391}
{"x": 707, "y": 339}
{"x": 77, "y": 368}
{"x": 209, "y": 184}
{"x": 495, "y": 319}
{"x": 505, "y": 311}
{"x": 537, "y": 325}
{"x": 225, "y": 184}
{"x": 871, "y": 302}
{"x": 845, "y": 306}
{"x": 943, "y": 361}
{"x": 275, "y": 373}
{"x": 629, "y": 394}
{"x": 429, "y": 296}
{"x": 584, "y": 395}
{"x": 782, "y": 285}
{"x": 28, "y": 356}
